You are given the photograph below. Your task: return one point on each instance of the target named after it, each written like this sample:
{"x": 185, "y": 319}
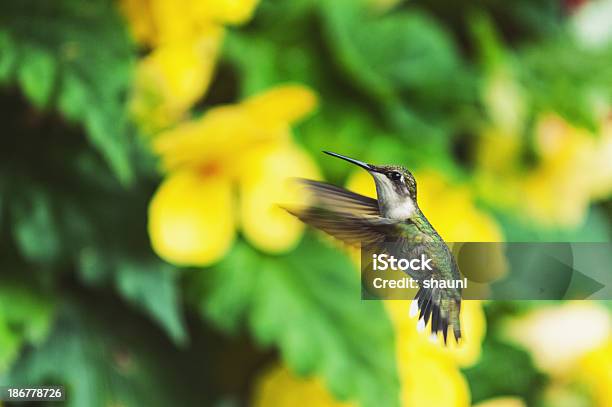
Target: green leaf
{"x": 75, "y": 57}
{"x": 2, "y": 201}
{"x": 229, "y": 288}
{"x": 152, "y": 286}
{"x": 37, "y": 75}
{"x": 104, "y": 356}
{"x": 500, "y": 359}
{"x": 596, "y": 228}
{"x": 143, "y": 280}
{"x": 34, "y": 227}
{"x": 308, "y": 305}
{"x": 555, "y": 69}
{"x": 25, "y": 317}
{"x": 7, "y": 56}
{"x": 404, "y": 50}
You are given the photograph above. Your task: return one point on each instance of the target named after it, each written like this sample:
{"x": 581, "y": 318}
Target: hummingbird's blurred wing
{"x": 339, "y": 199}
{"x": 345, "y": 215}
{"x": 351, "y": 229}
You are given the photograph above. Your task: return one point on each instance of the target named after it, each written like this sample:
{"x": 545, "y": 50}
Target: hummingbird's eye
{"x": 394, "y": 175}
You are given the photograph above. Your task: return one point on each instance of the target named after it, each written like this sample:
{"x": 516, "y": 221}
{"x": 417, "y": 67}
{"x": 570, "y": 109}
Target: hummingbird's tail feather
{"x": 433, "y": 304}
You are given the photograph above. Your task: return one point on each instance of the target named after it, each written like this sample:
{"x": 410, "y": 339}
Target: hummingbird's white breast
{"x": 392, "y": 203}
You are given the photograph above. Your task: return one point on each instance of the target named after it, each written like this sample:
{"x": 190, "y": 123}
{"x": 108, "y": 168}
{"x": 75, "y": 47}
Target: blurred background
{"x": 146, "y": 145}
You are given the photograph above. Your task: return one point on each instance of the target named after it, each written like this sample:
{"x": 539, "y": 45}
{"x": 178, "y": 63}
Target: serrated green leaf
{"x": 308, "y": 305}
{"x": 80, "y": 55}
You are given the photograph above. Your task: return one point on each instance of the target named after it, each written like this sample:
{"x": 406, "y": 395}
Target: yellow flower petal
{"x": 138, "y": 15}
{"x": 156, "y": 22}
{"x": 362, "y": 183}
{"x": 181, "y": 20}
{"x": 283, "y": 104}
{"x": 424, "y": 367}
{"x": 453, "y": 212}
{"x": 191, "y": 220}
{"x": 224, "y": 133}
{"x": 225, "y": 11}
{"x": 558, "y": 336}
{"x": 264, "y": 186}
{"x": 280, "y": 388}
{"x": 433, "y": 382}
{"x": 502, "y": 402}
{"x": 504, "y": 100}
{"x": 596, "y": 373}
{"x": 219, "y": 137}
{"x": 172, "y": 78}
{"x": 473, "y": 325}
{"x": 572, "y": 169}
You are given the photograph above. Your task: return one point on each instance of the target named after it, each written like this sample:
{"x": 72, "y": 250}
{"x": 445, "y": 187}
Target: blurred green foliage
{"x": 75, "y": 57}
{"x": 302, "y": 304}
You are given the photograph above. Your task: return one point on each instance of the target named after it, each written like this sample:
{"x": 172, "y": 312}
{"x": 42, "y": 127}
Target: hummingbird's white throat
{"x": 392, "y": 203}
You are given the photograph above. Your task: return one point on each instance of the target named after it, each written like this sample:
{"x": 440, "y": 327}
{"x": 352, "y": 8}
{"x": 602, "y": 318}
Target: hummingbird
{"x": 395, "y": 217}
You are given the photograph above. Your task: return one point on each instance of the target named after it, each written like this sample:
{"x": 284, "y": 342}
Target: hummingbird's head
{"x": 395, "y": 188}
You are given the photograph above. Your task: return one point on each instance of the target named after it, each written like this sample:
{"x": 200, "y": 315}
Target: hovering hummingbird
{"x": 394, "y": 217}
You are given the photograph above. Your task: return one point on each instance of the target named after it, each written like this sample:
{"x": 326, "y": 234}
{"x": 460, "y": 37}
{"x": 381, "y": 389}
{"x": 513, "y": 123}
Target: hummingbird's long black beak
{"x": 363, "y": 165}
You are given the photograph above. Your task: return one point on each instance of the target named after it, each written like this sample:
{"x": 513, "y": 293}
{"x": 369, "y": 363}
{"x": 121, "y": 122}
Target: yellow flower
{"x": 464, "y": 354}
{"x": 172, "y": 78}
{"x": 191, "y": 219}
{"x": 502, "y": 402}
{"x": 158, "y": 22}
{"x": 243, "y": 150}
{"x": 596, "y": 373}
{"x": 504, "y": 99}
{"x": 280, "y": 388}
{"x": 573, "y": 344}
{"x": 558, "y": 336}
{"x": 425, "y": 367}
{"x": 185, "y": 37}
{"x": 572, "y": 168}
